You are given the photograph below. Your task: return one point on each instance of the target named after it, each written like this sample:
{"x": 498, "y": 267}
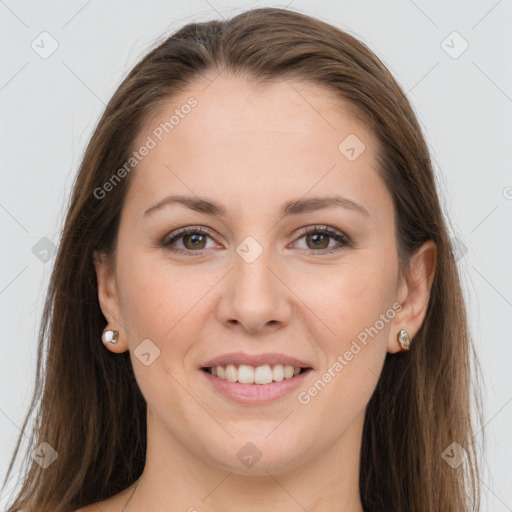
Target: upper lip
{"x": 255, "y": 360}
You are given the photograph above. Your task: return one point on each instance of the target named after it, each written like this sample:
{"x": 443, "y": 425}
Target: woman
{"x": 255, "y": 304}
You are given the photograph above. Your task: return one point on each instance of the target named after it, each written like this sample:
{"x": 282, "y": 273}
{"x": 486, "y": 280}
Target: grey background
{"x": 49, "y": 107}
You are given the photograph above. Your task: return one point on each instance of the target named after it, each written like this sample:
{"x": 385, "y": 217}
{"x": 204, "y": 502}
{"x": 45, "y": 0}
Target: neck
{"x": 175, "y": 477}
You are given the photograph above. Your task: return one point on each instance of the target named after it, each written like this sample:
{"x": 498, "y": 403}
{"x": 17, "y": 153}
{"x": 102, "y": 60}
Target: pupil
{"x": 315, "y": 237}
{"x": 194, "y": 239}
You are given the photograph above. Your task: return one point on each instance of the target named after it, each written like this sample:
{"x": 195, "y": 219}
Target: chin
{"x": 260, "y": 455}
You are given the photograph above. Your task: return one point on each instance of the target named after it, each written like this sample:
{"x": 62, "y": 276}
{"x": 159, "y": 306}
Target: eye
{"x": 194, "y": 239}
{"x": 320, "y": 237}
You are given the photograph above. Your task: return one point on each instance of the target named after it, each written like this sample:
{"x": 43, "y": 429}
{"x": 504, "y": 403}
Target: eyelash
{"x": 323, "y": 230}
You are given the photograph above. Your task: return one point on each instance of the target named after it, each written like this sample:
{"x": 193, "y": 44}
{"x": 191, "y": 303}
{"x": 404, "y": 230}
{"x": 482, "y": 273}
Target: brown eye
{"x": 194, "y": 241}
{"x": 319, "y": 240}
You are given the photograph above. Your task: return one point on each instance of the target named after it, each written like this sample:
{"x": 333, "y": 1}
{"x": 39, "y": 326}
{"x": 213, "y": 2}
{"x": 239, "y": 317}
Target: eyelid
{"x": 331, "y": 232}
{"x": 323, "y": 229}
{"x": 181, "y": 232}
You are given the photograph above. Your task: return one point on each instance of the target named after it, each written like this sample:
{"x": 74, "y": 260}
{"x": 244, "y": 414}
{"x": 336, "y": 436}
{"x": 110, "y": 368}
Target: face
{"x": 263, "y": 278}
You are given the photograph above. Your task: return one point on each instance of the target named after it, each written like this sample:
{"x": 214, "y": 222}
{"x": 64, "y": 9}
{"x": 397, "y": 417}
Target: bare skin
{"x": 252, "y": 150}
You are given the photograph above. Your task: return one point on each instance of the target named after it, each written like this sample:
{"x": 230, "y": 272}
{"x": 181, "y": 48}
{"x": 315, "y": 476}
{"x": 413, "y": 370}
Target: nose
{"x": 254, "y": 297}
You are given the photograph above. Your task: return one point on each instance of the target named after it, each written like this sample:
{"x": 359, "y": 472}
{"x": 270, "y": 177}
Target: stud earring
{"x": 110, "y": 337}
{"x": 403, "y": 339}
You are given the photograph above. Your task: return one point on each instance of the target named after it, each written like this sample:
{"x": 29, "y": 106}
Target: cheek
{"x": 352, "y": 297}
{"x": 161, "y": 302}
{"x": 357, "y": 308}
{"x": 152, "y": 299}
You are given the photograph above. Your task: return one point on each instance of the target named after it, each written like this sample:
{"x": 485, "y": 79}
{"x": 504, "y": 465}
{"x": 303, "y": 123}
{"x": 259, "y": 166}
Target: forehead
{"x": 246, "y": 142}
{"x": 228, "y": 108}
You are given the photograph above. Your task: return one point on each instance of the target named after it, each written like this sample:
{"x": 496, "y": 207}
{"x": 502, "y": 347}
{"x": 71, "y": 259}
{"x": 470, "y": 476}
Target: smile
{"x": 258, "y": 389}
{"x": 247, "y": 374}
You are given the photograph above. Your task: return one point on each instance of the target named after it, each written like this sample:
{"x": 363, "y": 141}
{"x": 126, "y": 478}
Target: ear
{"x": 108, "y": 298}
{"x": 414, "y": 294}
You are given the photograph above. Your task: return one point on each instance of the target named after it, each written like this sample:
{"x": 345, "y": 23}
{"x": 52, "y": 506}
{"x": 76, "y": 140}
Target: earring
{"x": 110, "y": 337}
{"x": 403, "y": 339}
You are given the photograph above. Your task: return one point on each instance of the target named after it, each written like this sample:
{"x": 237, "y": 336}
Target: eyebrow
{"x": 293, "y": 207}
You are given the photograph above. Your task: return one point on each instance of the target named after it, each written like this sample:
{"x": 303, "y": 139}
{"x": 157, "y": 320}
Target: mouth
{"x": 257, "y": 379}
{"x": 258, "y": 375}
{"x": 254, "y": 378}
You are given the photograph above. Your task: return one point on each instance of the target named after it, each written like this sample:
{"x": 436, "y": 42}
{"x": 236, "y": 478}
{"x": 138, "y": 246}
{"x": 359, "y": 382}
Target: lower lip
{"x": 256, "y": 393}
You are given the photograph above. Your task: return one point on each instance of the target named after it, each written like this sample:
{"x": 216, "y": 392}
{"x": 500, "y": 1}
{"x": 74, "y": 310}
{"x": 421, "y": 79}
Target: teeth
{"x": 278, "y": 373}
{"x": 262, "y": 374}
{"x": 288, "y": 372}
{"x": 231, "y": 373}
{"x": 247, "y": 374}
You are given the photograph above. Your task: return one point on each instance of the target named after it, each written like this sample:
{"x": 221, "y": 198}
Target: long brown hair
{"x": 88, "y": 406}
